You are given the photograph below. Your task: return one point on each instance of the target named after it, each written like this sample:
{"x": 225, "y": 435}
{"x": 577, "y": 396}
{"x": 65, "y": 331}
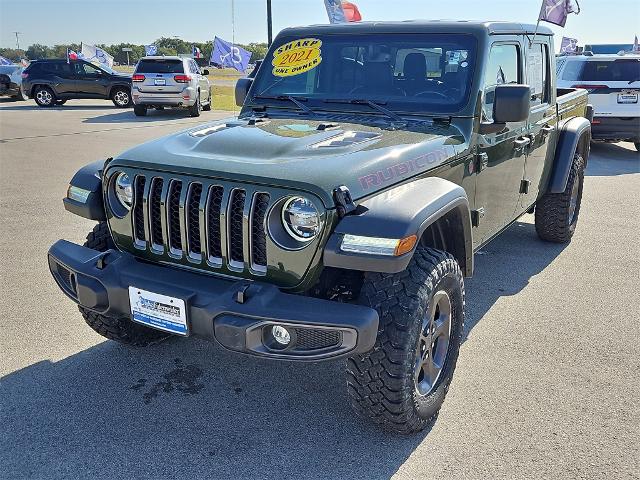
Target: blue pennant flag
{"x": 150, "y": 50}
{"x": 229, "y": 55}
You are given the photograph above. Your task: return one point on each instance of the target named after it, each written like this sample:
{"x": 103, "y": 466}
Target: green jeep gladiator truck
{"x": 338, "y": 215}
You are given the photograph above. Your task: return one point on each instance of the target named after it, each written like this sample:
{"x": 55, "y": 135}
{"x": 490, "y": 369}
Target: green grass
{"x": 223, "y": 98}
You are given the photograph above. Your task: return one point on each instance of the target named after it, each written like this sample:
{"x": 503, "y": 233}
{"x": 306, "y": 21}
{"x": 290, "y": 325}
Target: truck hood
{"x": 300, "y": 154}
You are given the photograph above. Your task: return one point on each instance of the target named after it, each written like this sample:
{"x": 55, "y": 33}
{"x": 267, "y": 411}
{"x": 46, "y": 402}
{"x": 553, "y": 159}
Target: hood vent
{"x": 347, "y": 139}
{"x": 203, "y": 132}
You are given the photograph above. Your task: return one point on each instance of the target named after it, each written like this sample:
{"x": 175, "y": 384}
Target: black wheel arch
{"x": 574, "y": 136}
{"x": 434, "y": 209}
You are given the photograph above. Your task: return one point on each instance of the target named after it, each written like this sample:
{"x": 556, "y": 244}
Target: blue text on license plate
{"x": 160, "y": 81}
{"x": 158, "y": 311}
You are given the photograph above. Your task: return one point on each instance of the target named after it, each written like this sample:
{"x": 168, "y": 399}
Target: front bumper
{"x": 616, "y": 129}
{"x": 238, "y": 314}
{"x": 185, "y": 98}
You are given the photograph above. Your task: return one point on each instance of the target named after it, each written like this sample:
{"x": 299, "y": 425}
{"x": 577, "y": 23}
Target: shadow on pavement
{"x": 30, "y": 105}
{"x": 186, "y": 408}
{"x": 152, "y": 116}
{"x": 609, "y": 159}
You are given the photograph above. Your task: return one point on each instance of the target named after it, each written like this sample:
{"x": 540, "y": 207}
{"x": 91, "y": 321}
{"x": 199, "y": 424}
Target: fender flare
{"x": 400, "y": 212}
{"x": 88, "y": 178}
{"x": 575, "y": 135}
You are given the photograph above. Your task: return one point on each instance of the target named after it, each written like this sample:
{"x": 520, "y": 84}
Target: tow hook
{"x": 344, "y": 202}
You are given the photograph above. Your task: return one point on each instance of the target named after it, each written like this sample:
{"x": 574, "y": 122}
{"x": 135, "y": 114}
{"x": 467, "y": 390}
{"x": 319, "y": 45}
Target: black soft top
{"x": 420, "y": 26}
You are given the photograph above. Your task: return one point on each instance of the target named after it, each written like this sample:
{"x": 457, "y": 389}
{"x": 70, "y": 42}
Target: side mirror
{"x": 205, "y": 72}
{"x": 511, "y": 103}
{"x": 242, "y": 89}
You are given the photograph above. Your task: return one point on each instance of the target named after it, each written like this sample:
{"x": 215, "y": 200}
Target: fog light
{"x": 281, "y": 335}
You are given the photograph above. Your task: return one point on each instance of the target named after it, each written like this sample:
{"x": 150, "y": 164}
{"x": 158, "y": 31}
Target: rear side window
{"x": 160, "y": 66}
{"x": 538, "y": 73}
{"x": 602, "y": 71}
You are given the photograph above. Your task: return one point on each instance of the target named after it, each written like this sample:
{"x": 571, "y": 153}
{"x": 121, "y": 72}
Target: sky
{"x": 142, "y": 21}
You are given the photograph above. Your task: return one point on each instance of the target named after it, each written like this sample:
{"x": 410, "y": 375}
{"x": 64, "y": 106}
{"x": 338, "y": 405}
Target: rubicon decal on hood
{"x": 296, "y": 57}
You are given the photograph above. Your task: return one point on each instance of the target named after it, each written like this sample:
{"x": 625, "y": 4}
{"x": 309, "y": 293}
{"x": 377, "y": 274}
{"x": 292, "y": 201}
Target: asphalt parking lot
{"x": 547, "y": 383}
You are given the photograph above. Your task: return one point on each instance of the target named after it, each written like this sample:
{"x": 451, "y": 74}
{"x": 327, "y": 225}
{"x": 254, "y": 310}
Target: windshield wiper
{"x": 375, "y": 105}
{"x": 297, "y": 101}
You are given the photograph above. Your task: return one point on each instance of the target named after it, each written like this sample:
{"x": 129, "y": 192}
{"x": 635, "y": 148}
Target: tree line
{"x": 166, "y": 46}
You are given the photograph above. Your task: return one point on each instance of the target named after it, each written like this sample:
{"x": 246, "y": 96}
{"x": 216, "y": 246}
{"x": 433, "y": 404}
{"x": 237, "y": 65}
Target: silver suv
{"x": 170, "y": 82}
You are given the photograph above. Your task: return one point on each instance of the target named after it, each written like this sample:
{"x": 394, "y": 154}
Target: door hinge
{"x": 524, "y": 186}
{"x": 481, "y": 162}
{"x": 476, "y": 216}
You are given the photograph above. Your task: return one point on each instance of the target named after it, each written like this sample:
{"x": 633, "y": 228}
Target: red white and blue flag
{"x": 195, "y": 52}
{"x": 340, "y": 11}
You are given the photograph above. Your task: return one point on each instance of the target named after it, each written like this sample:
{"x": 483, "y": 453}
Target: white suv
{"x": 613, "y": 82}
{"x": 170, "y": 82}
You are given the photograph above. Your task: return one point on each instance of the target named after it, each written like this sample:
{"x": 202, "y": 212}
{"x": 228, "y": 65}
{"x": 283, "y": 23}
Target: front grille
{"x": 316, "y": 338}
{"x": 208, "y": 224}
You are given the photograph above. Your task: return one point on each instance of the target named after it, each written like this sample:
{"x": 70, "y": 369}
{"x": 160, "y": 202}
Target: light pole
{"x": 269, "y": 26}
{"x": 127, "y": 50}
{"x": 17, "y": 39}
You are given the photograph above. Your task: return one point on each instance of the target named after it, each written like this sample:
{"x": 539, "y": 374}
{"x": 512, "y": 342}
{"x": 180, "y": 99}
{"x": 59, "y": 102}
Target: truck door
{"x": 91, "y": 82}
{"x": 542, "y": 122}
{"x": 501, "y": 156}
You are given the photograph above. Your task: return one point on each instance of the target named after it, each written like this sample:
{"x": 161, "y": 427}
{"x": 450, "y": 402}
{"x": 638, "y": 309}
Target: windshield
{"x": 407, "y": 73}
{"x": 602, "y": 70}
{"x": 160, "y": 66}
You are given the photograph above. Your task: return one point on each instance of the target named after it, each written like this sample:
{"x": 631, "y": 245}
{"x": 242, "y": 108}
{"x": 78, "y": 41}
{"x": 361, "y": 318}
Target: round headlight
{"x": 301, "y": 219}
{"x": 124, "y": 190}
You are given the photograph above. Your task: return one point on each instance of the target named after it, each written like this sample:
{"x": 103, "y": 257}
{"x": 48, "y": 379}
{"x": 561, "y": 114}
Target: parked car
{"x": 339, "y": 214}
{"x": 613, "y": 83}
{"x": 54, "y": 81}
{"x": 176, "y": 82}
{"x": 11, "y": 82}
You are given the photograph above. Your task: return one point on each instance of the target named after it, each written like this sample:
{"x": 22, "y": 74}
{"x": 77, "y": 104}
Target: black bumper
{"x": 237, "y": 314}
{"x": 616, "y": 129}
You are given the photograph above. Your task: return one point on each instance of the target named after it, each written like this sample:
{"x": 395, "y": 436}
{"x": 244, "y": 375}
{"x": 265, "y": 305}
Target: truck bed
{"x": 571, "y": 102}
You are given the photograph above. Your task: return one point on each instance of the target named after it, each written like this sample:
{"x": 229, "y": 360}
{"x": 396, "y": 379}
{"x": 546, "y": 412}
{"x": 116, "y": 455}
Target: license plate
{"x": 160, "y": 81}
{"x": 158, "y": 311}
{"x": 627, "y": 98}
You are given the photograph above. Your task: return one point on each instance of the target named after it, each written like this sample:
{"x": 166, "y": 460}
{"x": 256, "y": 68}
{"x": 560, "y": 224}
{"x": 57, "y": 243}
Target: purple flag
{"x": 556, "y": 11}
{"x": 229, "y": 55}
{"x": 569, "y": 45}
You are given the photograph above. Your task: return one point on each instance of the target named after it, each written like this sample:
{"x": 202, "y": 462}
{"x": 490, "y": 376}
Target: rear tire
{"x": 44, "y": 96}
{"x": 140, "y": 110}
{"x": 122, "y": 329}
{"x": 121, "y": 97}
{"x": 401, "y": 384}
{"x": 557, "y": 213}
{"x": 195, "y": 110}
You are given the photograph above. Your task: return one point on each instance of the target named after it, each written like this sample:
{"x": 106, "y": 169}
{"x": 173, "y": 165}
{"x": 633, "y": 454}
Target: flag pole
{"x": 269, "y": 24}
{"x": 535, "y": 32}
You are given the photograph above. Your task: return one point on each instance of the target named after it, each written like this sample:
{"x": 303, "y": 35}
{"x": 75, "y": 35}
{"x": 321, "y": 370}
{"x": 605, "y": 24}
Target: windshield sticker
{"x": 296, "y": 57}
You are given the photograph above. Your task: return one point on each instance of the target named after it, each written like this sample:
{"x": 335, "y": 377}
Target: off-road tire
{"x": 140, "y": 110}
{"x": 44, "y": 96}
{"x": 119, "y": 95}
{"x": 122, "y": 330}
{"x": 194, "y": 111}
{"x": 381, "y": 383}
{"x": 554, "y": 220}
{"x": 209, "y": 105}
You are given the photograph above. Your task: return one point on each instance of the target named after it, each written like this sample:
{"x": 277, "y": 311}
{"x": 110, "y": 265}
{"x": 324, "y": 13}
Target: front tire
{"x": 121, "y": 97}
{"x": 140, "y": 110}
{"x": 44, "y": 96}
{"x": 557, "y": 213}
{"x": 401, "y": 384}
{"x": 122, "y": 329}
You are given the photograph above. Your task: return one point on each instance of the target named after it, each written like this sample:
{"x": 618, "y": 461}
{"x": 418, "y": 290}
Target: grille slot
{"x": 258, "y": 232}
{"x": 173, "y": 214}
{"x": 212, "y": 225}
{"x": 155, "y": 222}
{"x": 138, "y": 211}
{"x": 236, "y": 210}
{"x": 193, "y": 221}
{"x": 315, "y": 338}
